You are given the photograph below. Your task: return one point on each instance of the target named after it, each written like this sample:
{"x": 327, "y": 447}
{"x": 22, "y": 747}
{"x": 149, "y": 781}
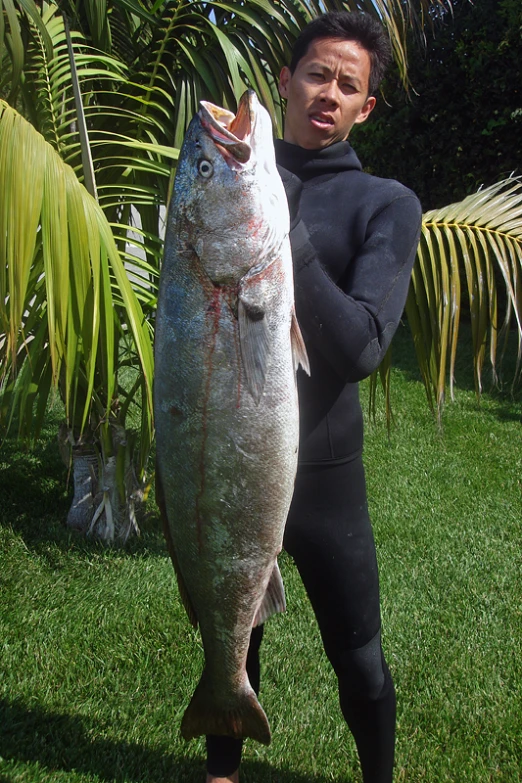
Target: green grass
{"x": 97, "y": 660}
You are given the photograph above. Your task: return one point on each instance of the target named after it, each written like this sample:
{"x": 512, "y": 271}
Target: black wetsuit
{"x": 352, "y": 267}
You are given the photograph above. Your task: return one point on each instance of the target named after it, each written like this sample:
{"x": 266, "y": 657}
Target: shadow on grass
{"x": 64, "y": 743}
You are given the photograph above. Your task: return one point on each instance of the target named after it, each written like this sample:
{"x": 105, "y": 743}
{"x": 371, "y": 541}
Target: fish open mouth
{"x": 231, "y": 132}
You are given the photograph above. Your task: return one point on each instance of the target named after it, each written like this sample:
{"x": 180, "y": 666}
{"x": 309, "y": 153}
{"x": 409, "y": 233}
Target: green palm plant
{"x": 69, "y": 315}
{"x": 475, "y": 246}
{"x": 65, "y": 303}
{"x": 87, "y": 175}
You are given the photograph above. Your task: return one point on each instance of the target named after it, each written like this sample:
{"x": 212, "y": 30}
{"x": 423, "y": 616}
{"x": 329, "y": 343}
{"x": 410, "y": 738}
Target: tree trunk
{"x": 104, "y": 503}
{"x": 85, "y": 479}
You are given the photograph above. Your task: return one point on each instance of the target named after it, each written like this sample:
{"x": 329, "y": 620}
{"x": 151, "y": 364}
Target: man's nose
{"x": 330, "y": 92}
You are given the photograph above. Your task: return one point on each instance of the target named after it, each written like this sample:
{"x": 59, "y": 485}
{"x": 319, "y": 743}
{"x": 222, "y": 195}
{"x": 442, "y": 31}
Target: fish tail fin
{"x": 242, "y": 717}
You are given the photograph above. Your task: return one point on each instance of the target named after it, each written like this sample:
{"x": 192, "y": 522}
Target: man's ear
{"x": 284, "y": 79}
{"x": 366, "y": 109}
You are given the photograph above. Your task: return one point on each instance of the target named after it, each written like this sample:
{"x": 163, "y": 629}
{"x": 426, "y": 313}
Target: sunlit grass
{"x": 98, "y": 661}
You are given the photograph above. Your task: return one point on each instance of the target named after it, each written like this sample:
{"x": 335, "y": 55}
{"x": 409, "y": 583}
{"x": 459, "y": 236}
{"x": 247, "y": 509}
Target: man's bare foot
{"x": 233, "y": 778}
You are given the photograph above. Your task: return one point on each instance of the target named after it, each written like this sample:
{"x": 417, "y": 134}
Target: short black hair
{"x": 350, "y": 26}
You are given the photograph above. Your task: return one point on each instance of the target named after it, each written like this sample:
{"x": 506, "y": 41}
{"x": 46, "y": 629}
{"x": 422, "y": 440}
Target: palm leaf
{"x": 15, "y": 20}
{"x": 49, "y": 84}
{"x": 13, "y": 44}
{"x": 481, "y": 237}
{"x": 55, "y": 98}
{"x": 55, "y": 235}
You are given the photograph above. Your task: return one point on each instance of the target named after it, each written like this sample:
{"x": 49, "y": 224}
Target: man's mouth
{"x": 321, "y": 120}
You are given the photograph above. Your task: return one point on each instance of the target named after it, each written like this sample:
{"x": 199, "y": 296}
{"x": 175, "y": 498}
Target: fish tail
{"x": 243, "y": 716}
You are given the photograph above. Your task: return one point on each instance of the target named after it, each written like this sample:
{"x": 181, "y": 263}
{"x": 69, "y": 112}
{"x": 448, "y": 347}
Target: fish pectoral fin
{"x": 298, "y": 346}
{"x": 254, "y": 340}
{"x": 274, "y": 599}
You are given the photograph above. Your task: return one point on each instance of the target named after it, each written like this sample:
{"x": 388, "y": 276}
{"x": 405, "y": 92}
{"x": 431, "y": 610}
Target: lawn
{"x": 98, "y": 661}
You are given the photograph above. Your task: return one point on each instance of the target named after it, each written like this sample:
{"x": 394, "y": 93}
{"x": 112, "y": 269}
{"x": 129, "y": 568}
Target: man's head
{"x": 338, "y": 62}
{"x": 349, "y": 26}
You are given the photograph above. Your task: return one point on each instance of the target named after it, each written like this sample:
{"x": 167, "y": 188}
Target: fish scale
{"x": 226, "y": 351}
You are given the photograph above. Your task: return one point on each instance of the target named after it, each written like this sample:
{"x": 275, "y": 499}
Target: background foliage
{"x": 460, "y": 125}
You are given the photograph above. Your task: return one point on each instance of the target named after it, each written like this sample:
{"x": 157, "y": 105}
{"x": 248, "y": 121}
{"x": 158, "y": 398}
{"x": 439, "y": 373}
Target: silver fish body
{"x": 226, "y": 411}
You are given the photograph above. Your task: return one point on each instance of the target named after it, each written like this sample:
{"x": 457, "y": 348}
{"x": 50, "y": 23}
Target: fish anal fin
{"x": 254, "y": 341}
{"x": 298, "y": 346}
{"x": 183, "y": 592}
{"x": 274, "y": 599}
{"x": 243, "y": 715}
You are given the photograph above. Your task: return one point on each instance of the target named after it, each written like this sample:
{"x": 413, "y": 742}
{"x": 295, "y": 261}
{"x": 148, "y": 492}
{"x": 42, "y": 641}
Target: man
{"x": 354, "y": 239}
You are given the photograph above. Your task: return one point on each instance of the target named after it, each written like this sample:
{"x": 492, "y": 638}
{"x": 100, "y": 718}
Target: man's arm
{"x": 352, "y": 325}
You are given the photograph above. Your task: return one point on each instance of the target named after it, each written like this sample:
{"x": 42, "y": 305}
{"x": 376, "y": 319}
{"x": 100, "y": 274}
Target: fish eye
{"x": 205, "y": 168}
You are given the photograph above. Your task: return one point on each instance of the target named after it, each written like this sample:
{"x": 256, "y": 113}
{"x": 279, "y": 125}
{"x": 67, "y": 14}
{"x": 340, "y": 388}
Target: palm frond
{"x": 130, "y": 172}
{"x": 64, "y": 291}
{"x": 48, "y": 87}
{"x": 17, "y": 14}
{"x": 473, "y": 246}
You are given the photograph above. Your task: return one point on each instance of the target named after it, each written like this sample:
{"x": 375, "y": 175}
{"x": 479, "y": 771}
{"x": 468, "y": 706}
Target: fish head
{"x": 229, "y": 203}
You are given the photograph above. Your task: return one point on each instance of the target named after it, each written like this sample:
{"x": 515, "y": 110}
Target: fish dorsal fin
{"x": 274, "y": 598}
{"x": 254, "y": 340}
{"x": 183, "y": 592}
{"x": 298, "y": 347}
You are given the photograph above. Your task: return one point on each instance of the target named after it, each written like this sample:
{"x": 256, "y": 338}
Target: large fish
{"x": 227, "y": 347}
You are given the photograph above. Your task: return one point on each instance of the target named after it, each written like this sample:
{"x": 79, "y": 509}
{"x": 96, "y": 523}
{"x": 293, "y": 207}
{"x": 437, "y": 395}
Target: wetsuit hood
{"x": 312, "y": 163}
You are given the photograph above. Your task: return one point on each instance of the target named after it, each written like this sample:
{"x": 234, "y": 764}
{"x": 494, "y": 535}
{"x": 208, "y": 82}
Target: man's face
{"x": 327, "y": 94}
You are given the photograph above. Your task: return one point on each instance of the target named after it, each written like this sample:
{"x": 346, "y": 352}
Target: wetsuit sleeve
{"x": 352, "y": 324}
